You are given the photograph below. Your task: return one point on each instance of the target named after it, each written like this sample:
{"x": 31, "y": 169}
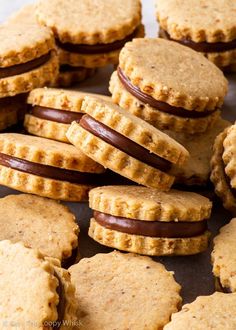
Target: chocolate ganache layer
{"x": 24, "y": 67}
{"x": 204, "y": 47}
{"x": 220, "y": 287}
{"x": 61, "y": 304}
{"x": 159, "y": 105}
{"x": 151, "y": 228}
{"x": 59, "y": 116}
{"x": 97, "y": 48}
{"x": 48, "y": 171}
{"x": 124, "y": 144}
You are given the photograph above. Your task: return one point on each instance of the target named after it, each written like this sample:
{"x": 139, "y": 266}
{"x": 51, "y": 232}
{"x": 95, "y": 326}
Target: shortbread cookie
{"x": 46, "y": 168}
{"x": 206, "y": 312}
{"x": 196, "y": 171}
{"x": 117, "y": 283}
{"x": 164, "y": 83}
{"x": 208, "y": 28}
{"x": 28, "y": 58}
{"x": 28, "y": 289}
{"x": 147, "y": 221}
{"x": 219, "y": 176}
{"x": 39, "y": 223}
{"x": 224, "y": 257}
{"x": 71, "y": 75}
{"x": 53, "y": 110}
{"x": 91, "y": 34}
{"x": 126, "y": 144}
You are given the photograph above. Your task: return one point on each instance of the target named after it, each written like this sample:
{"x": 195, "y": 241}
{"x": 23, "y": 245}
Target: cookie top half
{"x": 229, "y": 154}
{"x": 47, "y": 152}
{"x": 150, "y": 204}
{"x": 90, "y": 22}
{"x": 25, "y": 42}
{"x": 135, "y": 129}
{"x": 206, "y": 312}
{"x": 115, "y": 282}
{"x": 173, "y": 74}
{"x": 39, "y": 223}
{"x": 224, "y": 256}
{"x": 210, "y": 21}
{"x": 28, "y": 287}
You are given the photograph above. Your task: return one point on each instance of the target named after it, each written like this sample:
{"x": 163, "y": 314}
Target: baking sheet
{"x": 193, "y": 273}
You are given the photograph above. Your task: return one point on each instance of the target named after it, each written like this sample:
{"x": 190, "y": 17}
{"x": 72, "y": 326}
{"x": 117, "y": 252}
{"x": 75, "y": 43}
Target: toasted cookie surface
{"x": 40, "y": 223}
{"x": 206, "y": 312}
{"x": 223, "y": 256}
{"x": 116, "y": 282}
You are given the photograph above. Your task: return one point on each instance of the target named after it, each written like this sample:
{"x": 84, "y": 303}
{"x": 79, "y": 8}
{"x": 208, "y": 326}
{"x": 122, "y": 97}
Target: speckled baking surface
{"x": 194, "y": 272}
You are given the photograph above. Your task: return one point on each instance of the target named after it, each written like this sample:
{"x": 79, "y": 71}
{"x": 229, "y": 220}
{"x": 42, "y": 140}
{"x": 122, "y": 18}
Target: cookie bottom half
{"x": 152, "y": 246}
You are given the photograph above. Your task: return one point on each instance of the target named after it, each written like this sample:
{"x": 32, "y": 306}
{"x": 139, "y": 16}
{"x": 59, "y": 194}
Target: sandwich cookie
{"x": 68, "y": 75}
{"x": 36, "y": 294}
{"x": 206, "y": 312}
{"x": 126, "y": 144}
{"x": 207, "y": 27}
{"x": 165, "y": 84}
{"x": 148, "y": 221}
{"x": 224, "y": 258}
{"x": 117, "y": 283}
{"x": 51, "y": 112}
{"x": 23, "y": 217}
{"x": 28, "y": 58}
{"x": 91, "y": 34}
{"x": 196, "y": 171}
{"x": 223, "y": 168}
{"x": 47, "y": 168}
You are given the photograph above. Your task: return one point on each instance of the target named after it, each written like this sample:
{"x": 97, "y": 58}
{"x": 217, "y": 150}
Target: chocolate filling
{"x": 204, "y": 47}
{"x": 159, "y": 105}
{"x": 151, "y": 228}
{"x": 24, "y": 67}
{"x": 124, "y": 144}
{"x": 220, "y": 287}
{"x": 97, "y": 48}
{"x": 61, "y": 305}
{"x": 47, "y": 171}
{"x": 59, "y": 116}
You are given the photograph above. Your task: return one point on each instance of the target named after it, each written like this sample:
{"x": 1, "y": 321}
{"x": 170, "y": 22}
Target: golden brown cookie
{"x": 53, "y": 110}
{"x": 40, "y": 223}
{"x": 95, "y": 32}
{"x": 224, "y": 257}
{"x": 196, "y": 171}
{"x": 28, "y": 58}
{"x": 46, "y": 168}
{"x": 126, "y": 144}
{"x": 164, "y": 83}
{"x": 147, "y": 221}
{"x": 206, "y": 312}
{"x": 208, "y": 28}
{"x": 219, "y": 177}
{"x": 114, "y": 282}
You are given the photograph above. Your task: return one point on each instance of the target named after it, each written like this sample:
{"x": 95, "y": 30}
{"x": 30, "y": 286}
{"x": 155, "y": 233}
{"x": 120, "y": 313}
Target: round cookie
{"x": 224, "y": 257}
{"x": 28, "y": 288}
{"x": 126, "y": 144}
{"x": 165, "y": 84}
{"x": 148, "y": 221}
{"x": 207, "y": 27}
{"x": 206, "y": 312}
{"x": 114, "y": 283}
{"x": 196, "y": 171}
{"x": 28, "y": 58}
{"x": 40, "y": 223}
{"x": 46, "y": 168}
{"x": 53, "y": 110}
{"x": 95, "y": 31}
{"x": 221, "y": 168}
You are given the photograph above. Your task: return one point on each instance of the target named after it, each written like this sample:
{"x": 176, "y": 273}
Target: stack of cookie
{"x": 28, "y": 60}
